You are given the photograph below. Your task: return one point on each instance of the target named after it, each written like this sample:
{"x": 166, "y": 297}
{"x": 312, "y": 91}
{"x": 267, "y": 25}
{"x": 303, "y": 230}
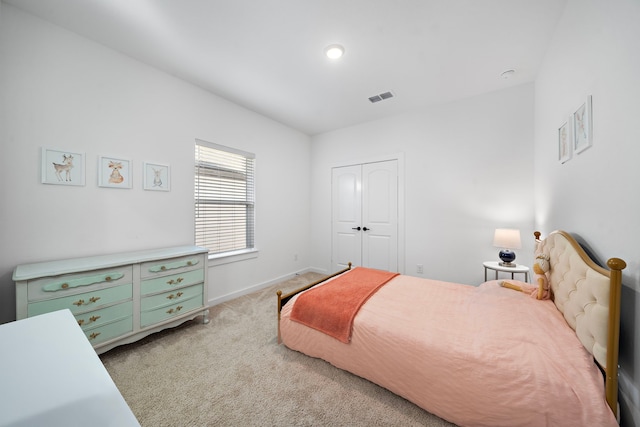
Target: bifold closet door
{"x": 365, "y": 215}
{"x": 346, "y": 207}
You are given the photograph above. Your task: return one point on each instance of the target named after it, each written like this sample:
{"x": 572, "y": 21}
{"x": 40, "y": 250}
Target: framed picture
{"x": 583, "y": 126}
{"x": 114, "y": 172}
{"x": 157, "y": 177}
{"x": 62, "y": 167}
{"x": 564, "y": 142}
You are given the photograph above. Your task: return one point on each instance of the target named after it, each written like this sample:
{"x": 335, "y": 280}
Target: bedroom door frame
{"x": 400, "y": 159}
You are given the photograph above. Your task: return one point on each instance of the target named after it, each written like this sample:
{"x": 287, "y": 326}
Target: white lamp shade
{"x": 507, "y": 238}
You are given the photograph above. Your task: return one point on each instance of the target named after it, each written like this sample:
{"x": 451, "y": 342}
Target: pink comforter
{"x": 476, "y": 356}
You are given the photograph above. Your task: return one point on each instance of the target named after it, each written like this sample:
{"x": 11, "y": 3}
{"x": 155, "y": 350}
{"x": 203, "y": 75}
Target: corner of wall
{"x": 629, "y": 400}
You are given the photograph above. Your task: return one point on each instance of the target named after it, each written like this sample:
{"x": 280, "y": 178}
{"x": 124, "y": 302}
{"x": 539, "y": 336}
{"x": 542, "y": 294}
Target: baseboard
{"x": 260, "y": 286}
{"x": 629, "y": 398}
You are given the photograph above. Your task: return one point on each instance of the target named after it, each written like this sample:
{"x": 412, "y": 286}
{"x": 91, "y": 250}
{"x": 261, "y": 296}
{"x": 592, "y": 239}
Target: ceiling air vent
{"x": 381, "y": 97}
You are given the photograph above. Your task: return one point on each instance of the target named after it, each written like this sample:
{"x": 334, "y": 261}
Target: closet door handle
{"x": 356, "y": 228}
{"x": 365, "y": 229}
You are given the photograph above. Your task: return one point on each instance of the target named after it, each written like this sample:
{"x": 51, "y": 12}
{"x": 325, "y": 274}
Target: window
{"x": 224, "y": 199}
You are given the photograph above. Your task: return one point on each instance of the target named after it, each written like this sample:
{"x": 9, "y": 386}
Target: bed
{"x": 482, "y": 355}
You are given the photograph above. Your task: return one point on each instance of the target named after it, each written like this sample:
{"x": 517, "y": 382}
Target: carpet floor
{"x": 232, "y": 372}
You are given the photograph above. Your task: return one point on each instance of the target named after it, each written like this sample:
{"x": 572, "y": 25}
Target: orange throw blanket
{"x": 331, "y": 308}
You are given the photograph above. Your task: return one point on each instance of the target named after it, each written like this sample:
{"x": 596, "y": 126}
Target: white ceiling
{"x": 267, "y": 55}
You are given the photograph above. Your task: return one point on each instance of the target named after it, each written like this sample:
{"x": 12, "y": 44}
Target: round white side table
{"x": 495, "y": 266}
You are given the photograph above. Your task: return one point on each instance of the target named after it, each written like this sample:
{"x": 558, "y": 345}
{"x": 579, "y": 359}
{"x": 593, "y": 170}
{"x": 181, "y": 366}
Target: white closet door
{"x": 380, "y": 215}
{"x": 347, "y": 216}
{"x": 365, "y": 216}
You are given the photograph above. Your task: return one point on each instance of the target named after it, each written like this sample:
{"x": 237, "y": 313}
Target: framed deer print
{"x": 114, "y": 172}
{"x": 157, "y": 177}
{"x": 62, "y": 167}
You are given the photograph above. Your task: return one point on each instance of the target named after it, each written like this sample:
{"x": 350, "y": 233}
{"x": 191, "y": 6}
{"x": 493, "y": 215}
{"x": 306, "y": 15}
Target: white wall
{"x": 467, "y": 170}
{"x": 63, "y": 91}
{"x": 595, "y": 52}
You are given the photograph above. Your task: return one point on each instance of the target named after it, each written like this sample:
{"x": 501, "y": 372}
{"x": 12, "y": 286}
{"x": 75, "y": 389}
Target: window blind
{"x": 224, "y": 198}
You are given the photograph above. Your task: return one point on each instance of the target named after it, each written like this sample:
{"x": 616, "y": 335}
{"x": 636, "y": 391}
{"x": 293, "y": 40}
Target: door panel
{"x": 348, "y": 249}
{"x": 378, "y": 252}
{"x": 349, "y": 205}
{"x": 346, "y": 216}
{"x": 380, "y": 215}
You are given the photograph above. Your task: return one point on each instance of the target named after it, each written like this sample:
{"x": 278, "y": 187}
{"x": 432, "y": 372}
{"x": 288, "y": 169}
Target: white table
{"x": 495, "y": 265}
{"x": 51, "y": 376}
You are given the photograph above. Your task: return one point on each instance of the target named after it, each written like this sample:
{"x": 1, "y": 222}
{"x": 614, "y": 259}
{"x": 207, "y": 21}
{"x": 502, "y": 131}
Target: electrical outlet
{"x": 420, "y": 269}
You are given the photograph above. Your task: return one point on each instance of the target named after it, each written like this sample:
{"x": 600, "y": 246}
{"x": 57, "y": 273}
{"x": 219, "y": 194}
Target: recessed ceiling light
{"x": 334, "y": 51}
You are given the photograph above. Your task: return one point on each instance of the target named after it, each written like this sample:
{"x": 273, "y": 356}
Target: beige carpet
{"x": 231, "y": 372}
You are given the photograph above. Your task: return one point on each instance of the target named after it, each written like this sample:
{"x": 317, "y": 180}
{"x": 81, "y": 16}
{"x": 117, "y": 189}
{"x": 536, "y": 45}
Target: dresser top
{"x": 74, "y": 265}
{"x": 54, "y": 376}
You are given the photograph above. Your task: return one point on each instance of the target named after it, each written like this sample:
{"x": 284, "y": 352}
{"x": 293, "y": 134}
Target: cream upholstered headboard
{"x": 580, "y": 291}
{"x": 588, "y": 296}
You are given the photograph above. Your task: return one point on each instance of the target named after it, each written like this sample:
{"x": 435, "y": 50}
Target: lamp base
{"x": 507, "y": 258}
{"x": 507, "y": 264}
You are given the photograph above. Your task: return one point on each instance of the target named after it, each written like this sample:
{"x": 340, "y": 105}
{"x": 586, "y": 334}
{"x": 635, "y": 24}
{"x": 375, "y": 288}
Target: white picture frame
{"x": 62, "y": 167}
{"x": 157, "y": 177}
{"x": 565, "y": 141}
{"x": 114, "y": 172}
{"x": 583, "y": 126}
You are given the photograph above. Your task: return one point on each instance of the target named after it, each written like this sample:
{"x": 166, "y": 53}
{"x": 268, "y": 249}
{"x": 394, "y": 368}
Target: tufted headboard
{"x": 588, "y": 296}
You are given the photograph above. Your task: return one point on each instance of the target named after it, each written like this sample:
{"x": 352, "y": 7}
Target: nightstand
{"x": 495, "y": 265}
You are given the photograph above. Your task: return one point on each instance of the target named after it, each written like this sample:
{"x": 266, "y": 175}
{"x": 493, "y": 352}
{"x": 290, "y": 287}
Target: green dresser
{"x": 119, "y": 298}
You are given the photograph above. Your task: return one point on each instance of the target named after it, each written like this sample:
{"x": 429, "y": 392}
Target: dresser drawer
{"x": 96, "y": 318}
{"x": 148, "y": 318}
{"x": 172, "y": 265}
{"x": 173, "y": 281}
{"x": 77, "y": 283}
{"x": 109, "y": 331}
{"x": 169, "y": 298}
{"x": 81, "y": 303}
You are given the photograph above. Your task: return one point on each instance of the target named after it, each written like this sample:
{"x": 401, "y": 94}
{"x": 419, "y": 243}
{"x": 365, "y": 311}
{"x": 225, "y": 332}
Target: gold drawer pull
{"x": 175, "y": 282}
{"x": 94, "y": 335}
{"x": 108, "y": 278}
{"x": 163, "y": 268}
{"x": 178, "y": 295}
{"x": 91, "y": 320}
{"x": 189, "y": 263}
{"x": 91, "y": 301}
{"x": 171, "y": 311}
{"x": 64, "y": 285}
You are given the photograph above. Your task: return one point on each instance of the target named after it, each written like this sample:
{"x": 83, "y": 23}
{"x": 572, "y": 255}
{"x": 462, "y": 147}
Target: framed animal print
{"x": 62, "y": 167}
{"x": 564, "y": 142}
{"x": 114, "y": 172}
{"x": 583, "y": 126}
{"x": 157, "y": 177}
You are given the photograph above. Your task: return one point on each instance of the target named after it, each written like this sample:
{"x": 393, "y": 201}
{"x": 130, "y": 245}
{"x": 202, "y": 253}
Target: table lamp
{"x": 507, "y": 239}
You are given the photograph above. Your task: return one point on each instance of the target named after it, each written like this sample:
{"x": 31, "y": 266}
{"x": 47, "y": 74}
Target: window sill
{"x": 229, "y": 257}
